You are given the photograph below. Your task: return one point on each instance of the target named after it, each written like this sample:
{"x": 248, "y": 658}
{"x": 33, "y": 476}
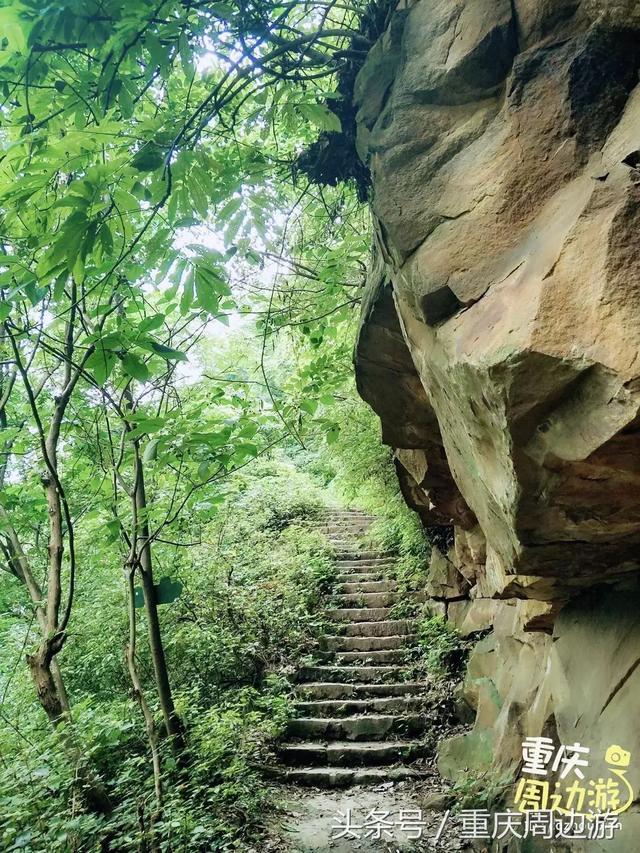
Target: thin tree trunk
{"x": 150, "y": 723}
{"x": 172, "y": 721}
{"x": 63, "y": 696}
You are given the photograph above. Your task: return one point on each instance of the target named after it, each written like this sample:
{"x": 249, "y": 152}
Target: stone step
{"x": 358, "y": 586}
{"x": 369, "y": 565}
{"x": 357, "y": 728}
{"x": 334, "y": 643}
{"x": 358, "y": 614}
{"x": 380, "y": 656}
{"x": 336, "y": 511}
{"x": 351, "y": 534}
{"x": 357, "y": 556}
{"x": 345, "y": 777}
{"x": 384, "y": 628}
{"x": 359, "y": 577}
{"x": 335, "y": 690}
{"x": 365, "y": 599}
{"x": 356, "y": 674}
{"x": 347, "y": 754}
{"x": 347, "y": 707}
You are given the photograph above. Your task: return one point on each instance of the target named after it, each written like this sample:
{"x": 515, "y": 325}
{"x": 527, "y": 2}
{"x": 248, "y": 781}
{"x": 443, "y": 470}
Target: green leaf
{"x": 156, "y": 50}
{"x": 186, "y": 56}
{"x": 321, "y": 116}
{"x": 112, "y": 341}
{"x": 199, "y": 199}
{"x": 149, "y": 158}
{"x": 13, "y": 27}
{"x": 168, "y": 353}
{"x": 113, "y": 529}
{"x": 136, "y": 368}
{"x": 223, "y": 11}
{"x": 125, "y": 101}
{"x": 126, "y": 201}
{"x": 243, "y": 450}
{"x": 333, "y": 434}
{"x": 100, "y": 364}
{"x": 187, "y": 292}
{"x": 209, "y": 288}
{"x": 150, "y": 324}
{"x": 5, "y": 310}
{"x": 144, "y": 426}
{"x": 151, "y": 451}
{"x": 71, "y": 200}
{"x": 230, "y": 208}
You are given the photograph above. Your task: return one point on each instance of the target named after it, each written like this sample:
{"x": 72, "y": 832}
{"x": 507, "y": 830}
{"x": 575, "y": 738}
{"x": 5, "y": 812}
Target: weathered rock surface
{"x": 500, "y": 345}
{"x": 501, "y": 138}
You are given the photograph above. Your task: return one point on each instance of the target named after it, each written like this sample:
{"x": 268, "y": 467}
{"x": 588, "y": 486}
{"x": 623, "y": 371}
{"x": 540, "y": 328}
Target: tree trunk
{"x": 46, "y": 675}
{"x": 172, "y": 721}
{"x": 150, "y": 723}
{"x": 40, "y": 666}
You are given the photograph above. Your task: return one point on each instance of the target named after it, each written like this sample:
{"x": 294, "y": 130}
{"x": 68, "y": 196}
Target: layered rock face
{"x": 502, "y": 139}
{"x": 500, "y": 341}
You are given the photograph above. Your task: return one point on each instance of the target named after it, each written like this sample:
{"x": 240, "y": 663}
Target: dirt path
{"x": 383, "y": 819}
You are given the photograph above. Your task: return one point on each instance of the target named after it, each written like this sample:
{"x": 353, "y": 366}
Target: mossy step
{"x": 345, "y": 777}
{"x": 358, "y": 586}
{"x": 358, "y": 673}
{"x": 361, "y": 727}
{"x": 343, "y": 527}
{"x": 335, "y": 643}
{"x": 357, "y": 555}
{"x": 378, "y": 656}
{"x": 348, "y": 754}
{"x": 368, "y": 565}
{"x": 365, "y": 599}
{"x": 344, "y": 690}
{"x": 358, "y": 614}
{"x": 360, "y": 577}
{"x": 383, "y": 628}
{"x": 348, "y": 707}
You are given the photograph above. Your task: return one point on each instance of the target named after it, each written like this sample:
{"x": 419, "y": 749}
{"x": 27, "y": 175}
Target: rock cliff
{"x": 500, "y": 343}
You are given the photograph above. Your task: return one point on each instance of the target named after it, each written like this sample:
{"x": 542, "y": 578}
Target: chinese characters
{"x": 572, "y": 792}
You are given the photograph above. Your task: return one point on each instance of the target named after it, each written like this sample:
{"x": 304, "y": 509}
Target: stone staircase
{"x": 362, "y": 714}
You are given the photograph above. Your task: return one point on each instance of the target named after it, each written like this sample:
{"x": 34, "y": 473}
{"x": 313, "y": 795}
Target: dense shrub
{"x": 247, "y": 613}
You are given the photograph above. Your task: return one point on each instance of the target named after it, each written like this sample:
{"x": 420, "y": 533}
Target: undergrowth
{"x": 445, "y": 650}
{"x": 247, "y": 613}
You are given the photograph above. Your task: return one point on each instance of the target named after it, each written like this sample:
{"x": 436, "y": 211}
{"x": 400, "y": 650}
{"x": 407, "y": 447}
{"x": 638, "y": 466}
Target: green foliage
{"x": 246, "y": 615}
{"x": 172, "y": 308}
{"x": 219, "y": 805}
{"x": 445, "y": 651}
{"x": 482, "y": 791}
